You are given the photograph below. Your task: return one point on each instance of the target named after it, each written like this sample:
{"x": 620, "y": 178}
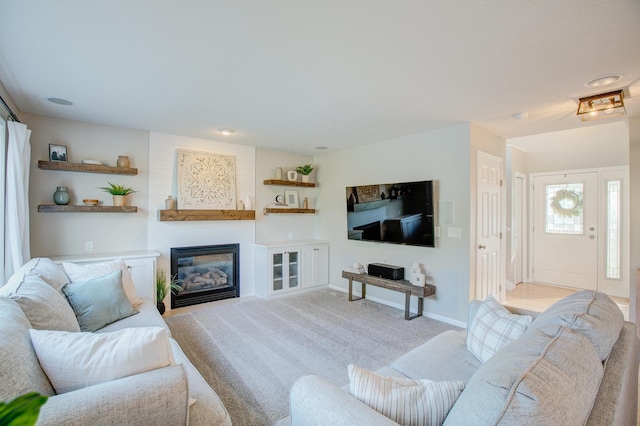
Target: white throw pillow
{"x": 80, "y": 273}
{"x": 405, "y": 401}
{"x": 494, "y": 327}
{"x": 76, "y": 360}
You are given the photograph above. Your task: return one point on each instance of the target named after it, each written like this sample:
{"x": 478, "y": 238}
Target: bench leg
{"x": 407, "y": 306}
{"x": 351, "y": 298}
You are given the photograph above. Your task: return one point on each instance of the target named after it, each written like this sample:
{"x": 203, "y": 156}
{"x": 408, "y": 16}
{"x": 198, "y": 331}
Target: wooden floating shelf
{"x": 193, "y": 215}
{"x": 289, "y": 183}
{"x": 275, "y": 210}
{"x": 86, "y": 168}
{"x": 54, "y": 208}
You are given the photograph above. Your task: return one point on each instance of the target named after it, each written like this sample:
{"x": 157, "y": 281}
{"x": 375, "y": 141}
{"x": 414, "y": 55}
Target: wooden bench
{"x": 403, "y": 286}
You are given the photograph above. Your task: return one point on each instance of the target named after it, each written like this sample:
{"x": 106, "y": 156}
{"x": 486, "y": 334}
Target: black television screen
{"x": 400, "y": 213}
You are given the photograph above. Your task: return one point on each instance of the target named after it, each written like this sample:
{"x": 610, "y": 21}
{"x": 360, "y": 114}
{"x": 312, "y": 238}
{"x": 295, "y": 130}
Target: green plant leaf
{"x": 115, "y": 189}
{"x": 22, "y": 411}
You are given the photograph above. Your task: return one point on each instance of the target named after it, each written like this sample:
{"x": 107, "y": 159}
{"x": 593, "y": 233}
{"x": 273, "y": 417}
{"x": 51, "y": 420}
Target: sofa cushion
{"x": 99, "y": 301}
{"x": 443, "y": 357}
{"x": 76, "y": 360}
{"x": 81, "y": 273}
{"x": 590, "y": 313}
{"x": 550, "y": 375}
{"x": 147, "y": 316}
{"x": 21, "y": 372}
{"x": 405, "y": 401}
{"x": 43, "y": 305}
{"x": 493, "y": 327}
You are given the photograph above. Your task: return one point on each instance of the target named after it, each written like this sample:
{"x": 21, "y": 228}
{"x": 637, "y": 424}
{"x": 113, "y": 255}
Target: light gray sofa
{"x": 162, "y": 396}
{"x": 576, "y": 363}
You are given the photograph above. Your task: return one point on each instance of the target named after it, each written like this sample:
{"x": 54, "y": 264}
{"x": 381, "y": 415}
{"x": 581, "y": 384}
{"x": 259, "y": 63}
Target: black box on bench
{"x": 389, "y": 272}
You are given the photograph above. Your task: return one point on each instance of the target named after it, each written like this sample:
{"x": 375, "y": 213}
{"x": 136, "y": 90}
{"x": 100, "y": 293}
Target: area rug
{"x": 251, "y": 352}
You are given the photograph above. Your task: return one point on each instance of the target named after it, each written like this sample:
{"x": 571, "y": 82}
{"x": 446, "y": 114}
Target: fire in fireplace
{"x": 205, "y": 273}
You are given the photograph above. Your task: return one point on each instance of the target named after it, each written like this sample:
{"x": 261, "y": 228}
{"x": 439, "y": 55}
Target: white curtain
{"x": 16, "y": 239}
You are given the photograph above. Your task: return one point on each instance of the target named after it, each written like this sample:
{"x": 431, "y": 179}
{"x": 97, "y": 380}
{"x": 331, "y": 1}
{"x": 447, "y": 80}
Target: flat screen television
{"x": 397, "y": 213}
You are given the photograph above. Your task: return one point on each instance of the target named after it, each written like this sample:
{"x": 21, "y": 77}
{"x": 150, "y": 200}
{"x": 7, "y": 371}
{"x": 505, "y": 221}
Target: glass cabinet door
{"x": 294, "y": 269}
{"x": 278, "y": 277}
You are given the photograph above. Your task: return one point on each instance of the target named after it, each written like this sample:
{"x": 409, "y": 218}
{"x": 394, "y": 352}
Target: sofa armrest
{"x": 315, "y": 401}
{"x": 157, "y": 397}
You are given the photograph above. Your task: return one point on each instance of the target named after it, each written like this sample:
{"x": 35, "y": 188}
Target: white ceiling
{"x": 297, "y": 74}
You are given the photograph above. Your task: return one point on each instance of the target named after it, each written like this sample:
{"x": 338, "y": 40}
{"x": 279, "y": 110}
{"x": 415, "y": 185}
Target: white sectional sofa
{"x": 574, "y": 364}
{"x": 35, "y": 298}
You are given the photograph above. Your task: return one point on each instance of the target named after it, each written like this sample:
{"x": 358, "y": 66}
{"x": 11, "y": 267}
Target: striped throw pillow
{"x": 494, "y": 327}
{"x": 405, "y": 401}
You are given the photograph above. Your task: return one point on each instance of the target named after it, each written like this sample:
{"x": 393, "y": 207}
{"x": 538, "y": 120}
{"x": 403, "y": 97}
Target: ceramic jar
{"x": 278, "y": 173}
{"x": 123, "y": 161}
{"x": 292, "y": 175}
{"x": 61, "y": 196}
{"x": 170, "y": 203}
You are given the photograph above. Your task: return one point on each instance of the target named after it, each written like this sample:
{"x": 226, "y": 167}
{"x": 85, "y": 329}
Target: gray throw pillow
{"x": 99, "y": 301}
{"x": 43, "y": 305}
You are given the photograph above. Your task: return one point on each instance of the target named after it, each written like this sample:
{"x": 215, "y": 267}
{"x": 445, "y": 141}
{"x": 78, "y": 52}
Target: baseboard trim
{"x": 401, "y": 307}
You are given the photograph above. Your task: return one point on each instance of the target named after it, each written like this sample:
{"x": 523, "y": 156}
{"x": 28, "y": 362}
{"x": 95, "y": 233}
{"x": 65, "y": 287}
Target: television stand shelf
{"x": 403, "y": 286}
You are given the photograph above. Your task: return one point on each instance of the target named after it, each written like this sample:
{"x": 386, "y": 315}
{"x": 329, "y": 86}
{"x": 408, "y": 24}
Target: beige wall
{"x": 66, "y": 233}
{"x": 602, "y": 145}
{"x": 441, "y": 155}
{"x": 278, "y": 227}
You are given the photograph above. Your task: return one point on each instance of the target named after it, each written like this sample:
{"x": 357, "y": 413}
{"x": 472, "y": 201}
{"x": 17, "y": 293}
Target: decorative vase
{"x": 247, "y": 203}
{"x": 161, "y": 307}
{"x": 292, "y": 175}
{"x": 305, "y": 178}
{"x": 118, "y": 200}
{"x": 123, "y": 161}
{"x": 278, "y": 173}
{"x": 61, "y": 196}
{"x": 305, "y": 203}
{"x": 170, "y": 203}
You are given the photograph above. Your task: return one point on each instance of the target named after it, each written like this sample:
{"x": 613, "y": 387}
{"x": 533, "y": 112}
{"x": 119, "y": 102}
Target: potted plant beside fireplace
{"x": 164, "y": 284}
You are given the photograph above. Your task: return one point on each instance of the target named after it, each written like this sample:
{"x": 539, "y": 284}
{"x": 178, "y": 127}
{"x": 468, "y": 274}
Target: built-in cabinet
{"x": 282, "y": 267}
{"x": 141, "y": 265}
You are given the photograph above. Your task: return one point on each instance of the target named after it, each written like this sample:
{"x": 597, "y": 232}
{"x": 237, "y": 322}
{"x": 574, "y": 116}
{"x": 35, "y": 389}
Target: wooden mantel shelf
{"x": 289, "y": 183}
{"x": 193, "y": 215}
{"x": 54, "y": 208}
{"x": 277, "y": 210}
{"x": 86, "y": 168}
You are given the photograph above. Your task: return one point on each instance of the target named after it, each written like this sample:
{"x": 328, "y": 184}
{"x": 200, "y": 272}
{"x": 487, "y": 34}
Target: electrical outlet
{"x": 436, "y": 231}
{"x": 384, "y": 260}
{"x": 290, "y": 235}
{"x": 88, "y": 246}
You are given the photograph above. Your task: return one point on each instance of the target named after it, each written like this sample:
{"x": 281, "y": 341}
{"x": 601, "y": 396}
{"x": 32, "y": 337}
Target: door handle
{"x": 482, "y": 247}
{"x": 591, "y": 237}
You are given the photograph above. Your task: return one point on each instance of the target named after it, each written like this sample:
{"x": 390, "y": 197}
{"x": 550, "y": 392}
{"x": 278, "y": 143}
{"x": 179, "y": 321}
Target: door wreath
{"x": 567, "y": 203}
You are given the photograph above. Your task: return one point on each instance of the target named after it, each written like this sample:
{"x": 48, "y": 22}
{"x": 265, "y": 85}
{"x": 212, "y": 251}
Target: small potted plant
{"x": 305, "y": 171}
{"x": 119, "y": 193}
{"x": 164, "y": 284}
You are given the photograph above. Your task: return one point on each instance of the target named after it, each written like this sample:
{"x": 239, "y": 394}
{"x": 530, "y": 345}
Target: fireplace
{"x": 205, "y": 274}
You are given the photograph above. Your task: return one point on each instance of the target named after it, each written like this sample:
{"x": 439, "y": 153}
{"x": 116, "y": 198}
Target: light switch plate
{"x": 454, "y": 232}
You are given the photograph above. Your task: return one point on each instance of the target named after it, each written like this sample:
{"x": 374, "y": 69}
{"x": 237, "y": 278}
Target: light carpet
{"x": 252, "y": 352}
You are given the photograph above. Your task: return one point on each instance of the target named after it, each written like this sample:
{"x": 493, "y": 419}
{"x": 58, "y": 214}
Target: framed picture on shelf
{"x": 58, "y": 153}
{"x": 291, "y": 198}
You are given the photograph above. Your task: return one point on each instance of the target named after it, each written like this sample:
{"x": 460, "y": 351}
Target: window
{"x": 564, "y": 213}
{"x": 613, "y": 229}
{"x": 3, "y": 165}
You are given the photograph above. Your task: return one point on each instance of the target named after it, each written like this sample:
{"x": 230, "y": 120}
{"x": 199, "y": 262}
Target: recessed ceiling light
{"x": 521, "y": 115}
{"x": 605, "y": 80}
{"x": 60, "y": 101}
{"x": 227, "y": 132}
{"x": 320, "y": 147}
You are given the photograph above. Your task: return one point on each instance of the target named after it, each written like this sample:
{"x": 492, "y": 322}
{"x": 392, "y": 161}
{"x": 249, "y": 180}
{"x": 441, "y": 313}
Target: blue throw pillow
{"x": 99, "y": 301}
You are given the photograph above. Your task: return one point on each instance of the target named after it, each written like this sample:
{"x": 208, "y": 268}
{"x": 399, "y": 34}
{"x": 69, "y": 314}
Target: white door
{"x": 518, "y": 229}
{"x": 565, "y": 238}
{"x": 489, "y": 227}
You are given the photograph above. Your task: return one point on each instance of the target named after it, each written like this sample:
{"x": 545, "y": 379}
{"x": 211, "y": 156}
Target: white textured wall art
{"x": 206, "y": 180}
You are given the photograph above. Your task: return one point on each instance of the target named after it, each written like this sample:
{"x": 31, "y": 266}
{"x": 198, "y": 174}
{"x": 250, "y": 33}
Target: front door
{"x": 565, "y": 237}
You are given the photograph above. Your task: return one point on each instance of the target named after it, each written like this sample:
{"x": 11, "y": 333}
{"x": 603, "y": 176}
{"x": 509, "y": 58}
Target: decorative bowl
{"x": 88, "y": 202}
